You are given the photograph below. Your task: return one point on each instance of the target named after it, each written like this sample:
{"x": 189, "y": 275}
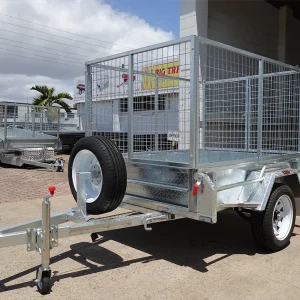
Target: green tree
{"x": 47, "y": 97}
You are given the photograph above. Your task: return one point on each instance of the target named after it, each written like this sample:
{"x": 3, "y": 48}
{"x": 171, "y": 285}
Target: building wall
{"x": 293, "y": 43}
{"x": 107, "y": 117}
{"x": 255, "y": 26}
{"x": 249, "y": 25}
{"x": 193, "y": 17}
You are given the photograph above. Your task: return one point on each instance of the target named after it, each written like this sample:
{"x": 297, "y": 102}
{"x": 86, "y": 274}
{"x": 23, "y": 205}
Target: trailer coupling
{"x": 43, "y": 234}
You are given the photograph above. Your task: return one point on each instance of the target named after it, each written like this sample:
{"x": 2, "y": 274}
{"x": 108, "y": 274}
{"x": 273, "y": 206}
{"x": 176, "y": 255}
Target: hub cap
{"x": 86, "y": 161}
{"x": 282, "y": 217}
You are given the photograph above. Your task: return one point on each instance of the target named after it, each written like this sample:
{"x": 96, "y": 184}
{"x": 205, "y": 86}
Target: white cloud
{"x": 92, "y": 18}
{"x": 16, "y": 87}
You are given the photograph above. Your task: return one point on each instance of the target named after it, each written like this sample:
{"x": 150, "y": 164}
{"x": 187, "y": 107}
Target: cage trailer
{"x": 23, "y": 140}
{"x": 237, "y": 127}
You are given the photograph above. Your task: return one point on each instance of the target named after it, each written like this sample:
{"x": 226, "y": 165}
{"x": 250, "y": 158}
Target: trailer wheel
{"x": 272, "y": 229}
{"x": 44, "y": 285}
{"x": 107, "y": 185}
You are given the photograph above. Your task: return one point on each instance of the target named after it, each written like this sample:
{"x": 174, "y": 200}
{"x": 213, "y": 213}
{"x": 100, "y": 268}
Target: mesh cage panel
{"x": 195, "y": 101}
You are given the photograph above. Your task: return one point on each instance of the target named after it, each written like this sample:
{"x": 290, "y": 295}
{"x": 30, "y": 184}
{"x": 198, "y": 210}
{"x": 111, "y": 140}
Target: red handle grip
{"x": 51, "y": 189}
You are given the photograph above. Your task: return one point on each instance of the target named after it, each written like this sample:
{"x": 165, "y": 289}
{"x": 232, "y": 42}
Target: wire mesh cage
{"x": 36, "y": 119}
{"x": 251, "y": 105}
{"x": 194, "y": 101}
{"x": 27, "y": 126}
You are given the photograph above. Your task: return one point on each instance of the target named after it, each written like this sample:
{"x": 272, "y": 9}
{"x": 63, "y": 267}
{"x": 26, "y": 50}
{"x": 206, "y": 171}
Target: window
{"x": 12, "y": 111}
{"x": 144, "y": 103}
{"x": 123, "y": 105}
{"x": 70, "y": 115}
{"x": 162, "y": 102}
{"x": 146, "y": 142}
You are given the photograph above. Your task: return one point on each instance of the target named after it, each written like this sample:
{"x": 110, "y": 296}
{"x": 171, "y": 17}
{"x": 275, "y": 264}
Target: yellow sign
{"x": 167, "y": 69}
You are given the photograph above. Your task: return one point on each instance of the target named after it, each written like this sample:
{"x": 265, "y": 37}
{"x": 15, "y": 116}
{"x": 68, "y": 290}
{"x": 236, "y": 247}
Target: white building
{"x": 110, "y": 111}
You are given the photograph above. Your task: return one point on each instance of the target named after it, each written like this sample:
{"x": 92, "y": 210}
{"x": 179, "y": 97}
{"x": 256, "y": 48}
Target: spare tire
{"x": 105, "y": 189}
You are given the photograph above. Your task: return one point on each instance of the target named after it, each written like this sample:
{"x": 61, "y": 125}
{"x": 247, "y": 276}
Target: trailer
{"x": 236, "y": 129}
{"x": 23, "y": 138}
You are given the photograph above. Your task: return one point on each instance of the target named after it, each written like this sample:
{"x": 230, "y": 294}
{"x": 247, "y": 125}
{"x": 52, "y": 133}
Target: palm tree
{"x": 46, "y": 97}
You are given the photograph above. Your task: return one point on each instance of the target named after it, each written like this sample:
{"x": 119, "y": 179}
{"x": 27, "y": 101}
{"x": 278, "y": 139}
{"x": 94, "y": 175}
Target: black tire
{"x": 44, "y": 285}
{"x": 262, "y": 222}
{"x": 113, "y": 172}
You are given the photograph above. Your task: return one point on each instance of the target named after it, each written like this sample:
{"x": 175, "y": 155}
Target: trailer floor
{"x": 183, "y": 259}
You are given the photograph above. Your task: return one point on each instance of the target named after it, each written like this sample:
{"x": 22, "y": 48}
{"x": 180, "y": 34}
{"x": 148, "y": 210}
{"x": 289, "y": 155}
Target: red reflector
{"x": 195, "y": 189}
{"x": 286, "y": 172}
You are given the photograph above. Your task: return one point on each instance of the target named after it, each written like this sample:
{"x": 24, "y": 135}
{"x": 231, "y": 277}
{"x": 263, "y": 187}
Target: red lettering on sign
{"x": 160, "y": 71}
{"x": 173, "y": 70}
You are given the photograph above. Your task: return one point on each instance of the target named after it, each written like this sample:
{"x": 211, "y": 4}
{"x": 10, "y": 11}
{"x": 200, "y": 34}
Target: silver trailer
{"x": 233, "y": 143}
{"x": 23, "y": 137}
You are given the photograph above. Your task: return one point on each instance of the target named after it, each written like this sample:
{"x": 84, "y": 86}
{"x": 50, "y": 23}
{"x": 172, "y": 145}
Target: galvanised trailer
{"x": 233, "y": 143}
{"x": 22, "y": 135}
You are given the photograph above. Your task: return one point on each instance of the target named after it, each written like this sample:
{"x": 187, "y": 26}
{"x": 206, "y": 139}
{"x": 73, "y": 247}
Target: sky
{"x": 159, "y": 13}
{"x": 31, "y": 54}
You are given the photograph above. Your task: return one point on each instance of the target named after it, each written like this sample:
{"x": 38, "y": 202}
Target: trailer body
{"x": 23, "y": 135}
{"x": 198, "y": 113}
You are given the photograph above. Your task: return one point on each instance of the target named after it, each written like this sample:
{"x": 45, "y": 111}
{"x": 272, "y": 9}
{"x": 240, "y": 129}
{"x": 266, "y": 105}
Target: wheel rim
{"x": 282, "y": 217}
{"x": 86, "y": 161}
